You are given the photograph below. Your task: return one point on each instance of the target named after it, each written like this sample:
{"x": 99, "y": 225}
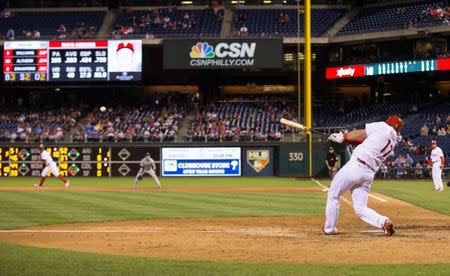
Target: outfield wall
{"x": 106, "y": 160}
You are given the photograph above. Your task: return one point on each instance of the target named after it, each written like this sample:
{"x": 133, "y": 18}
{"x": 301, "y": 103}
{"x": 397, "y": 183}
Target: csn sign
{"x": 222, "y": 53}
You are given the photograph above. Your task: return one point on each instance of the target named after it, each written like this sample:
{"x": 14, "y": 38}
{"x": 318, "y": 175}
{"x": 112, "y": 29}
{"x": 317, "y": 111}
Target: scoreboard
{"x": 74, "y": 161}
{"x": 72, "y": 61}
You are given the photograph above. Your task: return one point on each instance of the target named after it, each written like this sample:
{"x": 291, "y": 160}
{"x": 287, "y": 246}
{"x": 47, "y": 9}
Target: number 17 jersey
{"x": 378, "y": 145}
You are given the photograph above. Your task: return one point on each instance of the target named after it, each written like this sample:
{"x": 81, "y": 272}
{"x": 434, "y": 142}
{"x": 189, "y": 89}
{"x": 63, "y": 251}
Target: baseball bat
{"x": 300, "y": 126}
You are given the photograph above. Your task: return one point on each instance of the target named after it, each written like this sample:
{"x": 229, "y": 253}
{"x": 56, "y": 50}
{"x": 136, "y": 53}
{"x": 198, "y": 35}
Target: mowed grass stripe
{"x": 203, "y": 206}
{"x": 260, "y": 205}
{"x": 416, "y": 192}
{"x": 165, "y": 181}
{"x": 24, "y": 260}
{"x": 31, "y": 209}
{"x": 53, "y": 207}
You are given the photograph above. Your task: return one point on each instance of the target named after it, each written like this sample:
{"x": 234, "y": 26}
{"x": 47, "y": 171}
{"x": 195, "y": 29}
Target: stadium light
{"x": 186, "y": 2}
{"x": 267, "y": 1}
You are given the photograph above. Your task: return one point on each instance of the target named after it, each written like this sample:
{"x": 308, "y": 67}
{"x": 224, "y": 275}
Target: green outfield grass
{"x": 41, "y": 207}
{"x": 21, "y": 260}
{"x": 28, "y": 208}
{"x": 418, "y": 192}
{"x": 165, "y": 181}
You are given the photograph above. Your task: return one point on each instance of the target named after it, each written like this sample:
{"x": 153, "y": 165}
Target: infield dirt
{"x": 422, "y": 236}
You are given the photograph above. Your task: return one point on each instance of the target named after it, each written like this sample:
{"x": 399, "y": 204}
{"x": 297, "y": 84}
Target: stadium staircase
{"x": 342, "y": 22}
{"x": 185, "y": 126}
{"x": 108, "y": 23}
{"x": 227, "y": 22}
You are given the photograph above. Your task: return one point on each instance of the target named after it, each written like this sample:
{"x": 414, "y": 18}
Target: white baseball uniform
{"x": 357, "y": 175}
{"x": 50, "y": 165}
{"x": 436, "y": 155}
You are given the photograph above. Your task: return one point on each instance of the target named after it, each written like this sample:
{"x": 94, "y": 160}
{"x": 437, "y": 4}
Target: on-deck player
{"x": 148, "y": 166}
{"x": 50, "y": 166}
{"x": 377, "y": 143}
{"x": 437, "y": 161}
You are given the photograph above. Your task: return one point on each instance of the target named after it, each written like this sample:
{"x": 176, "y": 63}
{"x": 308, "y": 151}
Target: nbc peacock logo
{"x": 202, "y": 50}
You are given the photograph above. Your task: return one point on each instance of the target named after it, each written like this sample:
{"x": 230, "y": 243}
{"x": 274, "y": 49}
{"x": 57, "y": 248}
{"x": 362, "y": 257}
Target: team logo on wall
{"x": 24, "y": 154}
{"x": 73, "y": 169}
{"x": 258, "y": 159}
{"x": 202, "y": 50}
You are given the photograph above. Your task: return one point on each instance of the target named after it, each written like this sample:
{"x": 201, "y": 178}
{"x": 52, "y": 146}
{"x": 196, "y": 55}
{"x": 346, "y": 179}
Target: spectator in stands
{"x": 36, "y": 34}
{"x": 62, "y": 31}
{"x": 442, "y": 132}
{"x": 243, "y": 31}
{"x": 10, "y": 34}
{"x": 5, "y": 14}
{"x": 424, "y": 130}
{"x": 418, "y": 172}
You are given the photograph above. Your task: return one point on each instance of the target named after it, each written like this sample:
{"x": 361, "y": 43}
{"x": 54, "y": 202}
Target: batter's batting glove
{"x": 337, "y": 137}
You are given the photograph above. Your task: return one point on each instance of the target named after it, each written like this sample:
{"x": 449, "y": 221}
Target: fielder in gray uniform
{"x": 147, "y": 166}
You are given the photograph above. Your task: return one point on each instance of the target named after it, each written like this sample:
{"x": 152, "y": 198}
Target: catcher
{"x": 147, "y": 166}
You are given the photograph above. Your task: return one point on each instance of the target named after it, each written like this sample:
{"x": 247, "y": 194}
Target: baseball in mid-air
{"x": 102, "y": 108}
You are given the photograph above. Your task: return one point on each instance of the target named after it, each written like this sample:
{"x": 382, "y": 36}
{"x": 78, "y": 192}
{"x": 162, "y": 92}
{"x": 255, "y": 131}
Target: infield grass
{"x": 21, "y": 260}
{"x": 417, "y": 192}
{"x": 43, "y": 207}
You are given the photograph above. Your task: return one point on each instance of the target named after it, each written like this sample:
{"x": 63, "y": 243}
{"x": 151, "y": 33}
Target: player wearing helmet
{"x": 377, "y": 142}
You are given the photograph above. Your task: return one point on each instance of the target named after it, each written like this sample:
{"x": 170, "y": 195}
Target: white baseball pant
{"x": 356, "y": 178}
{"x": 149, "y": 172}
{"x": 437, "y": 175}
{"x": 50, "y": 168}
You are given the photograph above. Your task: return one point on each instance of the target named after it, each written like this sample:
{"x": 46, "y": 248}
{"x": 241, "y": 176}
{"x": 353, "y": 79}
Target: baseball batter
{"x": 438, "y": 160}
{"x": 50, "y": 166}
{"x": 147, "y": 166}
{"x": 377, "y": 143}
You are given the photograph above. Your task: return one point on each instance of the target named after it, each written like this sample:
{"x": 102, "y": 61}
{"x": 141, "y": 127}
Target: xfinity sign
{"x": 222, "y": 53}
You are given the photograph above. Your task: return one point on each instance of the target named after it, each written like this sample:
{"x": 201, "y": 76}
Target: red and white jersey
{"x": 436, "y": 155}
{"x": 379, "y": 144}
{"x": 45, "y": 156}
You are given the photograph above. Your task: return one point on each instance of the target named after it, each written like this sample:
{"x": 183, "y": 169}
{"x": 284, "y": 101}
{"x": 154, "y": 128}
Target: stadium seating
{"x": 241, "y": 121}
{"x": 265, "y": 22}
{"x": 130, "y": 124}
{"x": 200, "y": 23}
{"x": 47, "y": 23}
{"x": 392, "y": 17}
{"x": 50, "y": 125}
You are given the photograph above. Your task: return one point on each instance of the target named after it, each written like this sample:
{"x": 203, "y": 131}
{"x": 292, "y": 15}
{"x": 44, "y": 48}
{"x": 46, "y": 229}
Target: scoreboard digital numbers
{"x": 72, "y": 61}
{"x": 96, "y": 161}
{"x": 71, "y": 161}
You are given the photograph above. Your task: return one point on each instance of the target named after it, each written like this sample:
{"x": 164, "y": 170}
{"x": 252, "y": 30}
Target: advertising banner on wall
{"x": 222, "y": 53}
{"x": 201, "y": 161}
{"x": 258, "y": 161}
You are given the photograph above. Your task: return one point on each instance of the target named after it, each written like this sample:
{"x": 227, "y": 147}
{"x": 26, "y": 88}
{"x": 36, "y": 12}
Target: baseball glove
{"x": 140, "y": 177}
{"x": 448, "y": 184}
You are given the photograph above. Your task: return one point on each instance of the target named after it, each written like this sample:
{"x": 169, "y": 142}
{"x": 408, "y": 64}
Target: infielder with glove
{"x": 148, "y": 166}
{"x": 437, "y": 161}
{"x": 50, "y": 167}
{"x": 377, "y": 142}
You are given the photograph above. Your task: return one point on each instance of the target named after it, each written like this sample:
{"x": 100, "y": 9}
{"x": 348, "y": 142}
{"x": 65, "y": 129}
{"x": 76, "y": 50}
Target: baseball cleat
{"x": 334, "y": 232}
{"x": 37, "y": 185}
{"x": 440, "y": 190}
{"x": 388, "y": 228}
{"x": 67, "y": 184}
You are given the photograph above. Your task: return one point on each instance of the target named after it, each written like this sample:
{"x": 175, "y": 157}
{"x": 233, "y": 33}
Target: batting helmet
{"x": 395, "y": 122}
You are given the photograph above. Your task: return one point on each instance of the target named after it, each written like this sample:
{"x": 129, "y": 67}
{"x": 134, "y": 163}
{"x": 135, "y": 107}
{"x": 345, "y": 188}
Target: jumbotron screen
{"x": 72, "y": 61}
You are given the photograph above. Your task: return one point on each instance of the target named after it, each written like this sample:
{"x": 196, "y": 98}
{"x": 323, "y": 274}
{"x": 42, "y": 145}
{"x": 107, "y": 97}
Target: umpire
{"x": 332, "y": 162}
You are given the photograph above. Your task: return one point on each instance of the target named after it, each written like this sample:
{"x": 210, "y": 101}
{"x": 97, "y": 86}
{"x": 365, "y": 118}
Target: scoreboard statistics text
{"x": 72, "y": 61}
{"x": 93, "y": 161}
